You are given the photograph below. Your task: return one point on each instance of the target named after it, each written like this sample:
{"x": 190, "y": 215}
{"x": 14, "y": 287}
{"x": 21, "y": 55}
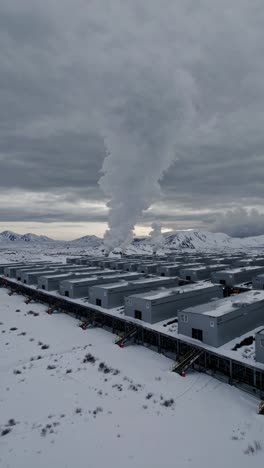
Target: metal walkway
{"x": 247, "y": 376}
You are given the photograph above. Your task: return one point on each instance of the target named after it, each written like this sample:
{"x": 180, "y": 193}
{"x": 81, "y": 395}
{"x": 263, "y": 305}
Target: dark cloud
{"x": 240, "y": 223}
{"x": 63, "y": 62}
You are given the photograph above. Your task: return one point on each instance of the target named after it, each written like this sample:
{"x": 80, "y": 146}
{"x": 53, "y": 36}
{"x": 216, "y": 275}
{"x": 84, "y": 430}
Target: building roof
{"x": 204, "y": 267}
{"x": 240, "y": 270}
{"x": 93, "y": 277}
{"x": 227, "y": 305}
{"x": 139, "y": 282}
{"x": 162, "y": 293}
{"x": 57, "y": 275}
{"x": 260, "y": 276}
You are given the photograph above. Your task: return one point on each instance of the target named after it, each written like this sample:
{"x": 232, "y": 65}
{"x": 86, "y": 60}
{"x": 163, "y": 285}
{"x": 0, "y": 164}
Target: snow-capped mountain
{"x": 9, "y": 236}
{"x": 177, "y": 240}
{"x": 89, "y": 241}
{"x": 200, "y": 240}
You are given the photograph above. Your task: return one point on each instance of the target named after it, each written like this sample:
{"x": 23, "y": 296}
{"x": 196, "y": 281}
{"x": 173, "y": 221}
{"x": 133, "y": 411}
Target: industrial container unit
{"x": 126, "y": 264}
{"x": 258, "y": 282}
{"x": 117, "y": 264}
{"x": 8, "y": 265}
{"x": 113, "y": 294}
{"x": 51, "y": 282}
{"x": 236, "y": 276}
{"x": 200, "y": 273}
{"x": 71, "y": 261}
{"x": 244, "y": 262}
{"x": 156, "y": 306}
{"x": 78, "y": 288}
{"x": 216, "y": 260}
{"x": 31, "y": 277}
{"x": 259, "y": 346}
{"x": 79, "y": 268}
{"x": 194, "y": 259}
{"x": 232, "y": 259}
{"x": 152, "y": 268}
{"x": 21, "y": 270}
{"x": 257, "y": 260}
{"x": 10, "y": 271}
{"x": 148, "y": 268}
{"x": 169, "y": 270}
{"x": 83, "y": 261}
{"x": 132, "y": 266}
{"x": 61, "y": 266}
{"x": 197, "y": 259}
{"x": 221, "y": 321}
{"x": 104, "y": 263}
{"x": 79, "y": 260}
{"x": 95, "y": 261}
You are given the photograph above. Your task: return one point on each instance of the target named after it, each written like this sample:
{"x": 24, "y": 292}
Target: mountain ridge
{"x": 172, "y": 240}
{"x": 11, "y": 236}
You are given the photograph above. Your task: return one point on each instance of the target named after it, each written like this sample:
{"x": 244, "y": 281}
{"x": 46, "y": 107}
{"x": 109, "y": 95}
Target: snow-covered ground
{"x": 124, "y": 409}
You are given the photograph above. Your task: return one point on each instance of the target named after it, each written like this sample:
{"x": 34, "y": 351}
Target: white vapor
{"x": 156, "y": 236}
{"x": 144, "y": 135}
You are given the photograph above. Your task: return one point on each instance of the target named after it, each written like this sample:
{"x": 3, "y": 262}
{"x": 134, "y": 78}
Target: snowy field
{"x": 71, "y": 398}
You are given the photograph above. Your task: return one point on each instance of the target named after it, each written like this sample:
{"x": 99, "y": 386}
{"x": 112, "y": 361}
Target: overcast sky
{"x": 65, "y": 62}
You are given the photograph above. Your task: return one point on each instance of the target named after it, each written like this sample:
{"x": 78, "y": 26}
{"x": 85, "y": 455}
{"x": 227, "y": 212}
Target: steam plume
{"x": 156, "y": 236}
{"x": 141, "y": 134}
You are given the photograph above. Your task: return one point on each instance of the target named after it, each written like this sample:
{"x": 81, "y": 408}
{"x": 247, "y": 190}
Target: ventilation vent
{"x": 237, "y": 305}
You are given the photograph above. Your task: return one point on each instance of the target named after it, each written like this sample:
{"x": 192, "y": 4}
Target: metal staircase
{"x": 121, "y": 340}
{"x": 181, "y": 366}
{"x": 53, "y": 308}
{"x": 84, "y": 325}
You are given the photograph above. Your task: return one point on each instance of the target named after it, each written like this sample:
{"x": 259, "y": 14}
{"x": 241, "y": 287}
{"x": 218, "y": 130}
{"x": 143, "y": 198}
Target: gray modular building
{"x": 21, "y": 270}
{"x": 117, "y": 264}
{"x": 259, "y": 346}
{"x": 236, "y": 276}
{"x": 104, "y": 263}
{"x": 258, "y": 282}
{"x": 10, "y": 271}
{"x": 113, "y": 294}
{"x": 221, "y": 321}
{"x": 83, "y": 261}
{"x": 249, "y": 262}
{"x": 199, "y": 273}
{"x": 51, "y": 281}
{"x": 258, "y": 261}
{"x": 8, "y": 265}
{"x": 95, "y": 261}
{"x": 132, "y": 266}
{"x": 156, "y": 306}
{"x": 169, "y": 270}
{"x": 148, "y": 268}
{"x": 14, "y": 271}
{"x": 217, "y": 260}
{"x": 31, "y": 276}
{"x": 76, "y": 288}
{"x": 71, "y": 261}
{"x": 242, "y": 262}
